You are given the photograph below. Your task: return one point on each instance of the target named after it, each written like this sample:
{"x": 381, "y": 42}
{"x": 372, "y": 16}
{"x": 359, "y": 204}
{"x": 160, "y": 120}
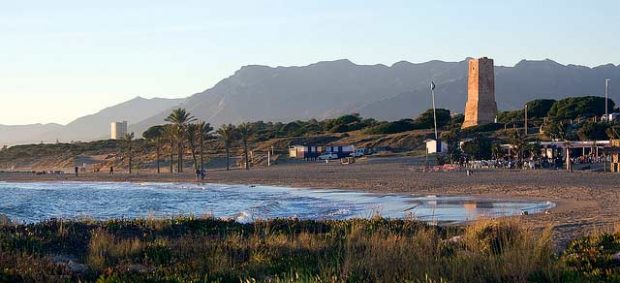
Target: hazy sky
{"x": 63, "y": 59}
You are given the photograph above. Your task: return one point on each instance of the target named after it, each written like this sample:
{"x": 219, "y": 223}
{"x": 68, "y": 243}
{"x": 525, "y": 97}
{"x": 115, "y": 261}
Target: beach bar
{"x": 305, "y": 151}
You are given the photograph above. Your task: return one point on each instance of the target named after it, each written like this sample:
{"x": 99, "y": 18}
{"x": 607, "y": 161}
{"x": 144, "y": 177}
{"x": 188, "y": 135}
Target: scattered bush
{"x": 596, "y": 257}
{"x": 392, "y": 127}
{"x": 539, "y": 108}
{"x": 426, "y": 121}
{"x": 478, "y": 148}
{"x": 574, "y": 107}
{"x": 593, "y": 131}
{"x": 482, "y": 129}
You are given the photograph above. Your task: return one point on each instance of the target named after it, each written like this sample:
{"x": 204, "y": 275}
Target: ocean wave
{"x": 244, "y": 217}
{"x": 39, "y": 201}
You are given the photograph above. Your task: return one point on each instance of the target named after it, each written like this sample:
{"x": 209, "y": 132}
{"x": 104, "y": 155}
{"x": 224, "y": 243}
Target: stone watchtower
{"x": 480, "y": 108}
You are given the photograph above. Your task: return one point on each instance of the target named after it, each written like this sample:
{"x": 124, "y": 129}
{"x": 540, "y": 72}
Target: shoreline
{"x": 584, "y": 201}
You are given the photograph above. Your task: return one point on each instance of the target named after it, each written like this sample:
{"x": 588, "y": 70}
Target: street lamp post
{"x": 525, "y": 119}
{"x": 434, "y": 113}
{"x": 606, "y": 98}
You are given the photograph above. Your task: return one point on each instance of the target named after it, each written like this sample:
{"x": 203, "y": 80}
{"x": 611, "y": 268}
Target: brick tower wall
{"x": 481, "y": 107}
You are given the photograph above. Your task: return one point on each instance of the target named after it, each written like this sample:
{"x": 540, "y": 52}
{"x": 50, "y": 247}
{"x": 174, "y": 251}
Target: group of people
{"x": 558, "y": 162}
{"x": 201, "y": 174}
{"x": 590, "y": 159}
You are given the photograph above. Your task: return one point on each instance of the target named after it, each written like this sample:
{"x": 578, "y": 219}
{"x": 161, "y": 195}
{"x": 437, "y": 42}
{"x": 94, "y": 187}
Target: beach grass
{"x": 372, "y": 250}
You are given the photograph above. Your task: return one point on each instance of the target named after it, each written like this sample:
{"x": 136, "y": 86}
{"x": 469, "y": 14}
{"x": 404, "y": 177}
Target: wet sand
{"x": 585, "y": 201}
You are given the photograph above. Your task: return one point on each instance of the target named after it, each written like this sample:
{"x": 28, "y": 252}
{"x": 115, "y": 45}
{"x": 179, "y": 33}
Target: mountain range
{"x": 328, "y": 89}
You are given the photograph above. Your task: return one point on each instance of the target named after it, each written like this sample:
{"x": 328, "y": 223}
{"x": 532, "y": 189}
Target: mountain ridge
{"x": 327, "y": 89}
{"x": 88, "y": 127}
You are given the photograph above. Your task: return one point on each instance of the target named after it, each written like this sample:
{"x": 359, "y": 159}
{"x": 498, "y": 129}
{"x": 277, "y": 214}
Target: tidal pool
{"x": 34, "y": 202}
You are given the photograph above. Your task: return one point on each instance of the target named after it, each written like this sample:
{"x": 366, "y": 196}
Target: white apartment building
{"x": 118, "y": 130}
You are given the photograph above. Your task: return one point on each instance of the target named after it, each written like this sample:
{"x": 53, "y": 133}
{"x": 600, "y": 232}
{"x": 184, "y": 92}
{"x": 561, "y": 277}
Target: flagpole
{"x": 434, "y": 113}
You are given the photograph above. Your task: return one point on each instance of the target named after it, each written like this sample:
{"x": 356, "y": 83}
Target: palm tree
{"x": 154, "y": 135}
{"x": 519, "y": 143}
{"x": 180, "y": 119}
{"x": 227, "y": 134}
{"x": 128, "y": 142}
{"x": 245, "y": 133}
{"x": 496, "y": 150}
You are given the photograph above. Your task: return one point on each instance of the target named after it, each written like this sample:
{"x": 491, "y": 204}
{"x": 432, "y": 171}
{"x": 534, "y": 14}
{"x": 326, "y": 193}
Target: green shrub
{"x": 482, "y": 129}
{"x": 595, "y": 257}
{"x": 478, "y": 148}
{"x": 426, "y": 120}
{"x": 593, "y": 131}
{"x": 573, "y": 107}
{"x": 392, "y": 127}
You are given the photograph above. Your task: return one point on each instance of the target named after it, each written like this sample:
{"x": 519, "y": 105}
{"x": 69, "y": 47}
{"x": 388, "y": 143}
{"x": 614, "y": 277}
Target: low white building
{"x": 311, "y": 151}
{"x": 433, "y": 147}
{"x": 118, "y": 130}
{"x": 611, "y": 117}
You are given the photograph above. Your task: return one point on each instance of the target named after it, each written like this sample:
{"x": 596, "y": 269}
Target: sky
{"x": 63, "y": 59}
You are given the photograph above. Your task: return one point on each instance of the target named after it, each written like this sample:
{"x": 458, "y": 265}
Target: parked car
{"x": 328, "y": 156}
{"x": 357, "y": 153}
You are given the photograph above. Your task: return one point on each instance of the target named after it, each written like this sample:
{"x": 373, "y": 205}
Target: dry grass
{"x": 209, "y": 250}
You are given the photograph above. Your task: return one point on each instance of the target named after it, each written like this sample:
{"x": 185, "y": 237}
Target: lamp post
{"x": 525, "y": 120}
{"x": 606, "y": 98}
{"x": 434, "y": 113}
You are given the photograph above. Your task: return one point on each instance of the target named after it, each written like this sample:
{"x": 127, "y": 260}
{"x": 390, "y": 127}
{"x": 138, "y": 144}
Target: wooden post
{"x": 583, "y": 150}
{"x": 426, "y": 158}
{"x": 569, "y": 166}
{"x": 596, "y": 149}
{"x": 525, "y": 126}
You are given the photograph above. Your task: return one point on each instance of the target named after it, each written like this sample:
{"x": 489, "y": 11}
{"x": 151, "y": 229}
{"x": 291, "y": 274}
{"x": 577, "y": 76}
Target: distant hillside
{"x": 25, "y": 133}
{"x": 87, "y": 128}
{"x": 321, "y": 90}
{"x": 97, "y": 125}
{"x": 526, "y": 81}
{"x": 329, "y": 89}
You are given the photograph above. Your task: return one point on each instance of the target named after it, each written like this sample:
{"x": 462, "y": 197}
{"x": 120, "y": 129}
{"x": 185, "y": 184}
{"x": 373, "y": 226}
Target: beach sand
{"x": 585, "y": 201}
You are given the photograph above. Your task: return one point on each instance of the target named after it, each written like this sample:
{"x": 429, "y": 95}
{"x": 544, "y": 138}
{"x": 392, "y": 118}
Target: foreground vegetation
{"x": 376, "y": 250}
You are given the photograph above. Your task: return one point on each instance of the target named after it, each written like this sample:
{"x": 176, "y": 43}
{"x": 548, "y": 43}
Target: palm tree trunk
{"x": 180, "y": 159}
{"x": 158, "y": 157}
{"x": 245, "y": 152}
{"x": 171, "y": 158}
{"x": 193, "y": 149}
{"x": 202, "y": 155}
{"x": 227, "y": 157}
{"x": 129, "y": 155}
{"x": 195, "y": 160}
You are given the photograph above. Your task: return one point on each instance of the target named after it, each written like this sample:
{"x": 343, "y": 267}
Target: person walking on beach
{"x": 111, "y": 170}
{"x": 203, "y": 174}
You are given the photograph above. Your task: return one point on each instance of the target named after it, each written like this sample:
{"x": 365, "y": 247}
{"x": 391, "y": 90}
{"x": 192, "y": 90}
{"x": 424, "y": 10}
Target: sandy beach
{"x": 585, "y": 201}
